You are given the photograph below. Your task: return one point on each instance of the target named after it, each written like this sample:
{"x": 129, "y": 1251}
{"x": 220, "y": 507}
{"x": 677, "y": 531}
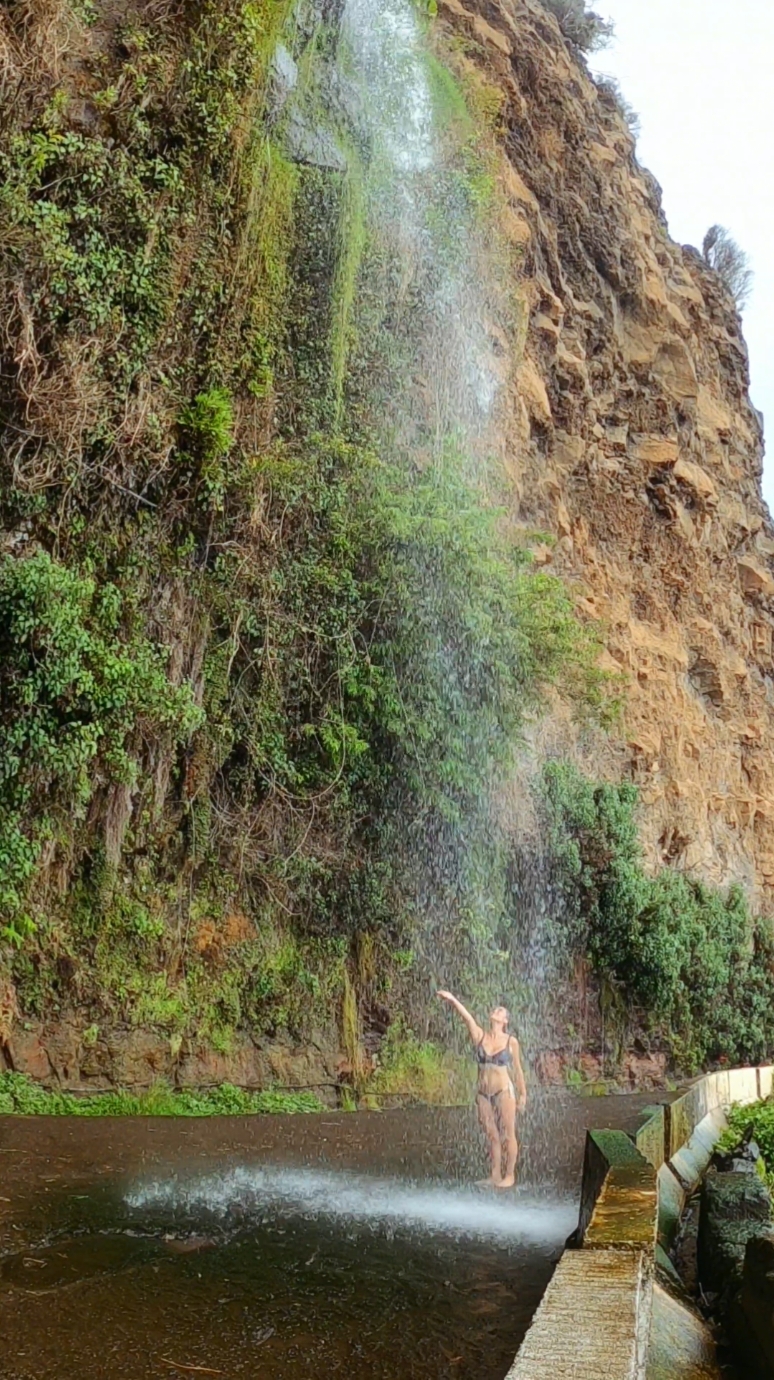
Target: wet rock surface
{"x": 59, "y": 1056}
{"x": 751, "y": 1320}
{"x": 735, "y": 1207}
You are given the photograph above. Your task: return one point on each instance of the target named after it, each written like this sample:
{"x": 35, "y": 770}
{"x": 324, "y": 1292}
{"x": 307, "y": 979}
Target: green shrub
{"x": 93, "y": 224}
{"x": 79, "y": 683}
{"x": 687, "y": 954}
{"x": 419, "y": 1070}
{"x": 208, "y": 428}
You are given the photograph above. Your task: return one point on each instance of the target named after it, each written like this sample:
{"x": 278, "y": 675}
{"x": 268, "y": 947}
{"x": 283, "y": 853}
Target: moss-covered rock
{"x": 734, "y": 1208}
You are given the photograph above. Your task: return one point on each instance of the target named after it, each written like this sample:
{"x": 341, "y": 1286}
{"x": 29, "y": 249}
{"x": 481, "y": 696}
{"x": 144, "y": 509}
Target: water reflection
{"x": 279, "y": 1248}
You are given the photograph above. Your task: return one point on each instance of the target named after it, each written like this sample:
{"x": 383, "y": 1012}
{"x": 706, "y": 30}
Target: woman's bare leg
{"x": 492, "y": 1132}
{"x": 506, "y": 1119}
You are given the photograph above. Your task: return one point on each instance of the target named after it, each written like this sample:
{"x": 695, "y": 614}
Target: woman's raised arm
{"x": 476, "y": 1033}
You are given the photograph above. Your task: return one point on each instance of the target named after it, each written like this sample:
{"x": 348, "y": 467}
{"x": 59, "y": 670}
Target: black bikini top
{"x": 502, "y": 1059}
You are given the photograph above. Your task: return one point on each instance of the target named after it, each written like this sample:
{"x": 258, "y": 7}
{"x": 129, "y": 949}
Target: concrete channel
{"x": 605, "y": 1315}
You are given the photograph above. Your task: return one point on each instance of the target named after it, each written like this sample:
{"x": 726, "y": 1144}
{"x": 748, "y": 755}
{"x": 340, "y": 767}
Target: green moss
{"x": 449, "y": 103}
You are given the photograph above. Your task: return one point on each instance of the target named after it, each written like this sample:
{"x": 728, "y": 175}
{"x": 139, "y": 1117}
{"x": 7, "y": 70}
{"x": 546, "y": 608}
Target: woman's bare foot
{"x": 509, "y": 1182}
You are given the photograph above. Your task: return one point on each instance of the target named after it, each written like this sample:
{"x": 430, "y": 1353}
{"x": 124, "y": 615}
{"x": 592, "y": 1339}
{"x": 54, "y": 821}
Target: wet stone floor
{"x": 280, "y": 1248}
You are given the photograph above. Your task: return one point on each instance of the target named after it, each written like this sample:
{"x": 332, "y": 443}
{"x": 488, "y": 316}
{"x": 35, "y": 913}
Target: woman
{"x": 497, "y": 1100}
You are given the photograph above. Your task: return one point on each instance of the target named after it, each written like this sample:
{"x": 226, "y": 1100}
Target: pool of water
{"x": 280, "y": 1248}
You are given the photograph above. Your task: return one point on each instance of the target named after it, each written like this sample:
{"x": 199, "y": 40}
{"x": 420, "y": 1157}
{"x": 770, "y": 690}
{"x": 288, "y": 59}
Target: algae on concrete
{"x": 681, "y": 1345}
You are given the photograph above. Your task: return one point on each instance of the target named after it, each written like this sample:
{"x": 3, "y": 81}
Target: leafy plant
{"x": 419, "y": 1070}
{"x": 760, "y": 1116}
{"x": 79, "y": 685}
{"x": 208, "y": 427}
{"x": 686, "y": 953}
{"x": 82, "y": 213}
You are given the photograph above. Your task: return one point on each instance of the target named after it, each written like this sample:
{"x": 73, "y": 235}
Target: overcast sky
{"x": 700, "y": 73}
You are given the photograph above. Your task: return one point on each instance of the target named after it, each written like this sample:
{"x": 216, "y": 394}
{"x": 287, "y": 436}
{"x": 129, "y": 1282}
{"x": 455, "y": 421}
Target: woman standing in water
{"x": 497, "y": 1101}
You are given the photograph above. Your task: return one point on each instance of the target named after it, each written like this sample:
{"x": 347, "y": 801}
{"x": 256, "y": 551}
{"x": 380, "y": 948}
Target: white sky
{"x": 700, "y": 73}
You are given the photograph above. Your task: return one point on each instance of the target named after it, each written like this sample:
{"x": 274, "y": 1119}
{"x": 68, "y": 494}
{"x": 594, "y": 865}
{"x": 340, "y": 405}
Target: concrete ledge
{"x": 650, "y": 1139}
{"x": 690, "y": 1161}
{"x": 597, "y": 1320}
{"x": 671, "y": 1203}
{"x": 681, "y": 1344}
{"x": 588, "y": 1326}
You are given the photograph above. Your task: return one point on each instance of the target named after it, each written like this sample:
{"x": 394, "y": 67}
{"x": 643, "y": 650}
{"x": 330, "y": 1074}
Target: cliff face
{"x": 636, "y": 445}
{"x": 199, "y": 873}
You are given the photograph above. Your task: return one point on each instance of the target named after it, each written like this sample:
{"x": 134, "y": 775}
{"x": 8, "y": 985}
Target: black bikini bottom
{"x": 491, "y": 1098}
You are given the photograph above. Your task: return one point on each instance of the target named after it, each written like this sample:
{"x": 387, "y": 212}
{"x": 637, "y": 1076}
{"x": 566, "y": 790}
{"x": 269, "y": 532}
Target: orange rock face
{"x": 633, "y": 440}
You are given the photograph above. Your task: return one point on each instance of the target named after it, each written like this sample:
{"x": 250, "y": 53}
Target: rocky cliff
{"x": 278, "y": 280}
{"x": 635, "y": 444}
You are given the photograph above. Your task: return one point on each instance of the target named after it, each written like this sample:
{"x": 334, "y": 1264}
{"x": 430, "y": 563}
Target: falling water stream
{"x": 446, "y": 287}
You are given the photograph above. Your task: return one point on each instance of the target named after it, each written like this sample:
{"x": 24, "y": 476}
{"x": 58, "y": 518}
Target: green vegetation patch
{"x": 414, "y": 1070}
{"x": 688, "y": 954}
{"x": 760, "y": 1116}
{"x": 20, "y": 1096}
{"x": 79, "y": 680}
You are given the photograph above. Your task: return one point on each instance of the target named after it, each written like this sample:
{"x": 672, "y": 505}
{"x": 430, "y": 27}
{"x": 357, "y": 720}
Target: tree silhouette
{"x": 723, "y": 254}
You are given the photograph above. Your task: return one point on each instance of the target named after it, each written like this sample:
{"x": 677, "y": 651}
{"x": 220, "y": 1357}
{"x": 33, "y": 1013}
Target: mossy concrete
{"x": 625, "y": 1215}
{"x": 604, "y": 1150}
{"x": 650, "y": 1137}
{"x": 680, "y": 1346}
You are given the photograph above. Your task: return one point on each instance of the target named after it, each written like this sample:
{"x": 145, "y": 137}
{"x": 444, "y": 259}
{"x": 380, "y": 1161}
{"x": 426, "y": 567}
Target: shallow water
{"x": 278, "y": 1248}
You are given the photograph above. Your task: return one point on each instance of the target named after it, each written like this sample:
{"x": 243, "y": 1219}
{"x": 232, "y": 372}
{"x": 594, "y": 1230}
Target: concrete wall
{"x": 598, "y": 1320}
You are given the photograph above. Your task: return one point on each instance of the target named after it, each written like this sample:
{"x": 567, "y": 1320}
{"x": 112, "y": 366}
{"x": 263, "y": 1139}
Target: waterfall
{"x": 417, "y": 202}
{"x": 420, "y": 326}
